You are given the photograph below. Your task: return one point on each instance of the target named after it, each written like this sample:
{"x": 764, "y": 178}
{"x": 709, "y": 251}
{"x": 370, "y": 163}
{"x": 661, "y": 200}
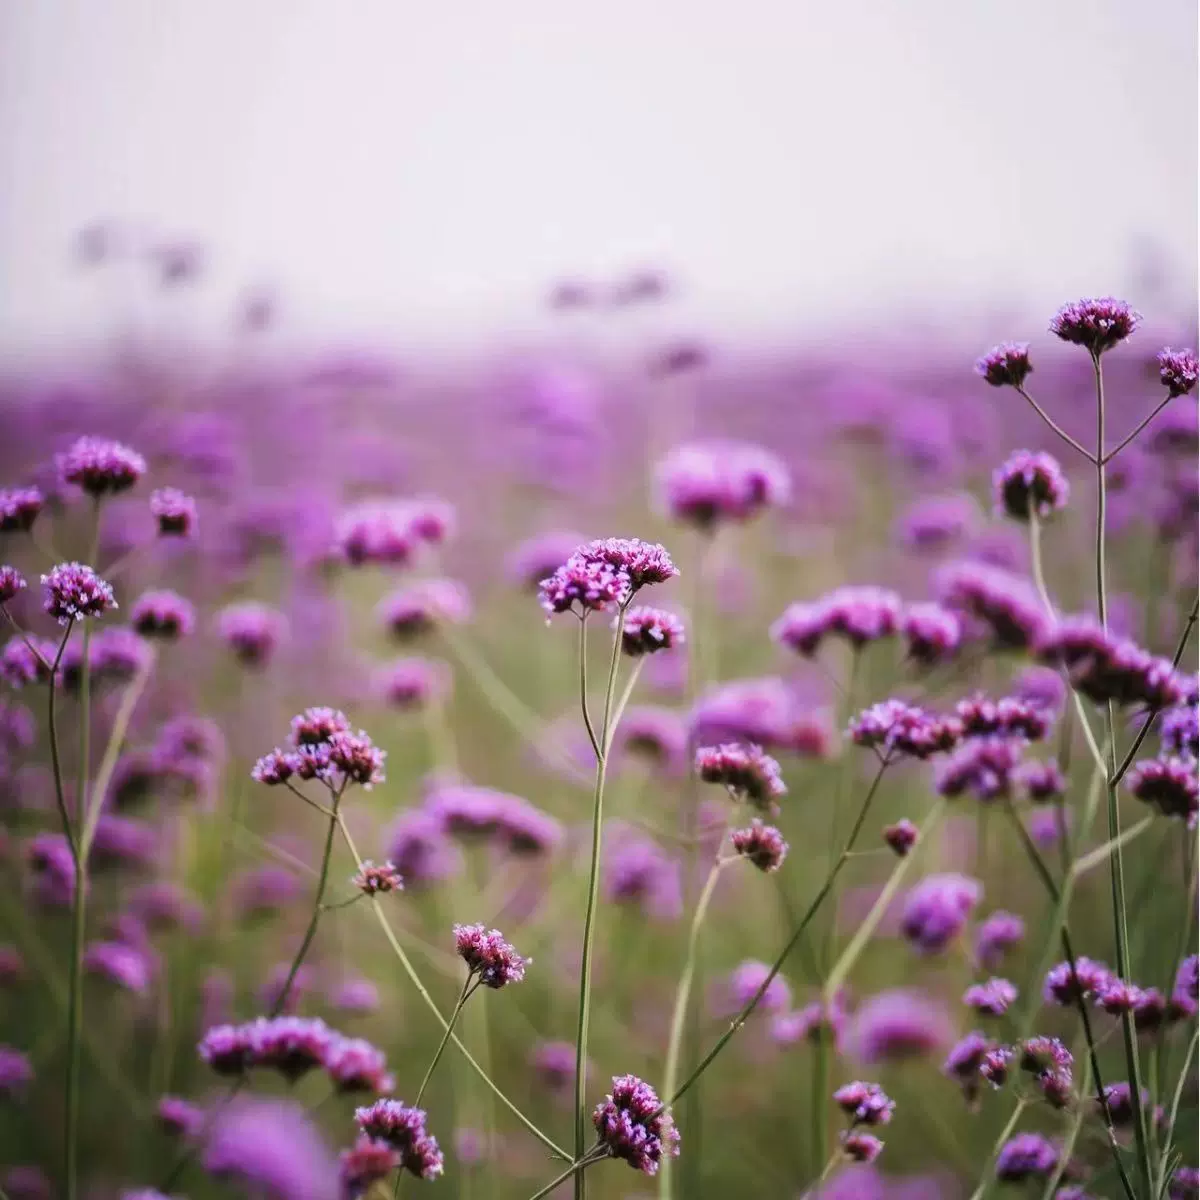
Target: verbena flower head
{"x": 275, "y": 768}
{"x": 896, "y": 1025}
{"x": 293, "y": 1046}
{"x": 965, "y": 1061}
{"x": 983, "y": 766}
{"x": 356, "y": 759}
{"x": 1184, "y": 1184}
{"x": 933, "y": 523}
{"x": 1066, "y": 986}
{"x": 902, "y": 729}
{"x": 403, "y": 1128}
{"x": 74, "y": 592}
{"x": 657, "y": 736}
{"x": 1009, "y": 715}
{"x": 162, "y": 614}
{"x": 763, "y": 711}
{"x": 412, "y": 611}
{"x": 178, "y": 1117}
{"x": 421, "y": 850}
{"x": 364, "y": 1164}
{"x": 489, "y": 956}
{"x": 126, "y": 966}
{"x": 378, "y": 532}
{"x": 174, "y": 512}
{"x": 19, "y": 508}
{"x": 1006, "y": 365}
{"x": 1040, "y": 1054}
{"x": 865, "y": 1103}
{"x": 354, "y": 1065}
{"x": 745, "y": 771}
{"x": 744, "y": 983}
{"x": 901, "y": 837}
{"x": 1185, "y": 994}
{"x": 252, "y": 631}
{"x": 1002, "y": 602}
{"x": 1180, "y": 730}
{"x": 630, "y": 1126}
{"x": 996, "y": 1065}
{"x": 858, "y": 614}
{"x": 1029, "y": 482}
{"x": 861, "y": 1147}
{"x": 760, "y": 844}
{"x": 12, "y": 583}
{"x": 637, "y": 871}
{"x": 932, "y": 633}
{"x": 705, "y": 484}
{"x": 648, "y": 630}
{"x": 936, "y": 910}
{"x": 1168, "y": 784}
{"x": 101, "y": 467}
{"x": 554, "y": 1065}
{"x": 1040, "y": 781}
{"x": 48, "y": 856}
{"x": 641, "y": 563}
{"x": 1026, "y": 1156}
{"x": 373, "y": 880}
{"x": 582, "y": 587}
{"x": 991, "y": 999}
{"x": 227, "y": 1049}
{"x": 414, "y": 683}
{"x": 1178, "y": 370}
{"x": 1096, "y": 324}
{"x": 317, "y": 725}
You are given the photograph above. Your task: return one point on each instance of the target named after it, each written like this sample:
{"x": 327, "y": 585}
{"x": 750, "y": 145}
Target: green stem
{"x": 589, "y": 920}
{"x": 463, "y": 997}
{"x": 1142, "y": 425}
{"x": 1117, "y": 862}
{"x": 575, "y": 1169}
{"x": 1174, "y": 1114}
{"x": 985, "y": 1181}
{"x": 679, "y": 1013}
{"x": 423, "y": 992}
{"x": 1066, "y": 437}
{"x": 583, "y": 689}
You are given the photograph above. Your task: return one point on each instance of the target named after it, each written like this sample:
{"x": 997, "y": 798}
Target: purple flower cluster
{"x": 374, "y": 880}
{"x": 992, "y": 998}
{"x": 1167, "y": 784}
{"x": 74, "y": 592}
{"x": 367, "y": 1162}
{"x": 174, "y": 511}
{"x": 631, "y": 1124}
{"x": 391, "y": 533}
{"x": 1097, "y": 324}
{"x": 252, "y": 631}
{"x": 648, "y": 630}
{"x": 900, "y": 729}
{"x": 1178, "y": 370}
{"x": 1000, "y": 601}
{"x": 1006, "y": 365}
{"x": 858, "y": 614}
{"x": 745, "y": 771}
{"x": 19, "y": 508}
{"x": 489, "y": 956}
{"x": 1026, "y": 1156}
{"x": 323, "y": 748}
{"x": 936, "y": 910}
{"x": 705, "y": 484}
{"x": 1030, "y": 484}
{"x": 983, "y": 766}
{"x": 413, "y": 611}
{"x": 605, "y": 572}
{"x": 100, "y": 467}
{"x": 510, "y": 822}
{"x": 402, "y": 1128}
{"x": 1180, "y": 731}
{"x": 760, "y": 844}
{"x": 162, "y": 614}
{"x": 12, "y": 583}
{"x": 932, "y": 633}
{"x": 1009, "y": 715}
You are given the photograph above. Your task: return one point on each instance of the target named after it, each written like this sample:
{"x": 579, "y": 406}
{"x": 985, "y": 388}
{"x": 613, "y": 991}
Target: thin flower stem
{"x": 1117, "y": 862}
{"x": 1174, "y": 1114}
{"x": 1107, "y": 458}
{"x": 985, "y": 1181}
{"x": 811, "y": 911}
{"x": 574, "y": 1169}
{"x": 39, "y": 658}
{"x": 321, "y": 808}
{"x": 1127, "y": 761}
{"x": 583, "y": 689}
{"x": 623, "y": 702}
{"x": 683, "y": 993}
{"x": 589, "y": 920}
{"x": 1095, "y": 857}
{"x": 423, "y": 992}
{"x": 463, "y": 997}
{"x": 1068, "y": 1145}
{"x": 55, "y": 758}
{"x": 1066, "y": 437}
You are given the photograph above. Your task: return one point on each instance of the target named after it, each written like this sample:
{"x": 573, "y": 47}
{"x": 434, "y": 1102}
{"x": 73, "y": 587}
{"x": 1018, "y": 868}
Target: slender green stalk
{"x": 423, "y": 992}
{"x": 985, "y": 1181}
{"x": 60, "y": 796}
{"x": 1107, "y": 458}
{"x": 1066, "y": 437}
{"x": 463, "y": 997}
{"x": 1174, "y": 1113}
{"x": 589, "y": 920}
{"x": 597, "y": 749}
{"x": 1068, "y": 1145}
{"x": 679, "y": 1013}
{"x": 1117, "y": 862}
{"x": 575, "y": 1169}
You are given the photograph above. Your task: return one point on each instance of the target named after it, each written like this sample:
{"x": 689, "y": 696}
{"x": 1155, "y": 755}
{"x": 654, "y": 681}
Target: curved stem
{"x": 574, "y": 1169}
{"x": 463, "y": 997}
{"x": 1005, "y": 1134}
{"x": 583, "y": 689}
{"x": 1175, "y": 1102}
{"x": 1107, "y": 458}
{"x": 1066, "y": 437}
{"x": 589, "y": 920}
{"x": 423, "y": 992}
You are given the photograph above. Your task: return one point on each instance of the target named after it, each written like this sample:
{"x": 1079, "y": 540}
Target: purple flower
{"x": 1008, "y": 715}
{"x": 592, "y": 586}
{"x": 357, "y": 759}
{"x": 293, "y": 1046}
{"x": 421, "y": 608}
{"x": 174, "y": 512}
{"x": 935, "y": 522}
{"x": 1180, "y": 730}
{"x": 315, "y": 726}
{"x": 1186, "y": 992}
{"x": 1168, "y": 784}
{"x": 421, "y": 851}
{"x": 932, "y": 633}
{"x": 1026, "y": 1156}
{"x": 1149, "y": 1010}
{"x": 162, "y": 614}
{"x": 12, "y": 582}
{"x": 760, "y": 844}
{"x": 26, "y": 1183}
{"x": 1006, "y": 365}
{"x": 372, "y": 880}
{"x": 637, "y": 871}
{"x": 101, "y": 467}
{"x": 274, "y": 768}
{"x": 1118, "y": 1100}
{"x": 745, "y": 771}
{"x": 763, "y": 711}
{"x": 865, "y": 1103}
{"x": 403, "y": 1129}
{"x": 540, "y": 556}
{"x": 179, "y": 1117}
{"x": 19, "y": 508}
{"x": 656, "y": 735}
{"x": 377, "y": 532}
{"x": 489, "y": 956}
{"x": 354, "y": 1065}
{"x": 648, "y": 630}
{"x": 1001, "y": 601}
{"x": 1040, "y": 781}
{"x": 554, "y": 1064}
{"x": 996, "y": 1065}
{"x": 901, "y": 837}
{"x": 1178, "y": 370}
{"x": 1040, "y": 1055}
{"x": 1042, "y": 687}
{"x": 16, "y": 1072}
{"x": 936, "y": 911}
{"x": 1096, "y": 324}
{"x": 1184, "y": 1185}
{"x": 984, "y": 766}
{"x": 641, "y": 563}
{"x": 227, "y": 1049}
{"x": 744, "y": 983}
{"x": 413, "y": 683}
{"x": 630, "y": 1125}
{"x": 896, "y": 1025}
{"x": 74, "y": 592}
{"x": 858, "y": 614}
{"x": 53, "y": 867}
{"x": 252, "y": 631}
{"x": 1030, "y": 483}
{"x": 704, "y": 484}
{"x": 861, "y": 1147}
{"x": 272, "y": 1149}
{"x": 903, "y": 729}
{"x": 357, "y": 996}
{"x": 123, "y": 842}
{"x": 366, "y": 1163}
{"x": 965, "y": 1061}
{"x": 990, "y": 999}
{"x": 123, "y": 965}
{"x": 164, "y": 905}
{"x": 1066, "y": 986}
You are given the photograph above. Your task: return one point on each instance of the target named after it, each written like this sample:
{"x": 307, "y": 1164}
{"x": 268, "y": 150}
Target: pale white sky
{"x": 427, "y": 167}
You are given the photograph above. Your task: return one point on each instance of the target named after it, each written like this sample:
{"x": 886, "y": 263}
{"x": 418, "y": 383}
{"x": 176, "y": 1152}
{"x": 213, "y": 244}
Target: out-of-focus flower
{"x": 162, "y": 614}
{"x": 19, "y": 508}
{"x": 408, "y": 684}
{"x": 174, "y": 512}
{"x": 367, "y": 1162}
{"x": 936, "y": 910}
{"x": 743, "y": 985}
{"x": 990, "y": 999}
{"x": 419, "y": 609}
{"x": 178, "y": 1117}
{"x": 902, "y": 729}
{"x": 934, "y": 523}
{"x": 897, "y": 1025}
{"x": 932, "y": 633}
{"x": 1002, "y": 602}
{"x": 12, "y": 583}
{"x": 901, "y": 837}
{"x": 704, "y": 484}
{"x": 648, "y": 630}
{"x": 760, "y": 844}
{"x": 1029, "y": 483}
{"x": 858, "y": 614}
{"x": 540, "y": 556}
{"x": 554, "y": 1065}
{"x": 403, "y": 1128}
{"x": 1066, "y": 986}
{"x": 421, "y": 850}
{"x": 984, "y": 766}
{"x": 1097, "y": 324}
{"x": 745, "y": 771}
{"x": 126, "y": 966}
{"x": 252, "y": 631}
{"x": 637, "y": 871}
{"x": 16, "y": 1072}
{"x": 1168, "y": 784}
{"x": 1026, "y": 1156}
{"x": 101, "y": 467}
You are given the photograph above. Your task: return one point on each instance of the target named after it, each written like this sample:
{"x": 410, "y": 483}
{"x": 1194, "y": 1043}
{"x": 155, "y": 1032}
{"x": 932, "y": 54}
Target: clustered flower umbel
{"x": 604, "y": 573}
{"x": 858, "y": 614}
{"x": 866, "y": 1104}
{"x": 101, "y": 467}
{"x": 392, "y": 532}
{"x": 1029, "y": 484}
{"x": 746, "y": 772}
{"x": 631, "y": 1124}
{"x": 488, "y": 956}
{"x": 293, "y": 1046}
{"x": 74, "y": 592}
{"x": 402, "y": 1129}
{"x": 323, "y": 748}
